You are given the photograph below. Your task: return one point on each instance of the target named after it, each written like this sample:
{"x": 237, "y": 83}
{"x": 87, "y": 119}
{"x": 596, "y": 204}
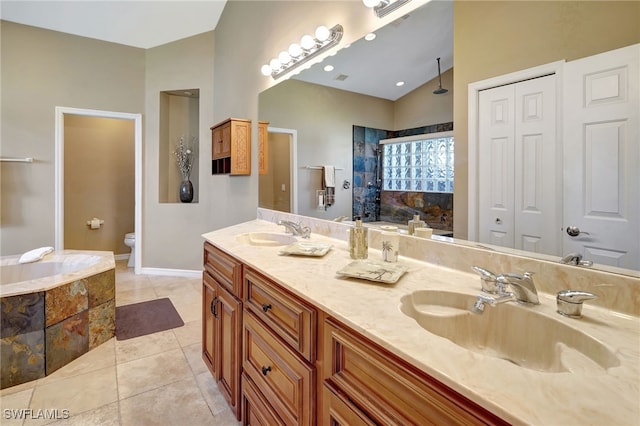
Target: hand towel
{"x": 35, "y": 254}
{"x": 328, "y": 184}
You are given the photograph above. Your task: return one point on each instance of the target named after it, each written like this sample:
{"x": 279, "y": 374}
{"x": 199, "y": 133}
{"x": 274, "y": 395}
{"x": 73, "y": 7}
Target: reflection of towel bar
{"x": 319, "y": 167}
{"x": 17, "y": 160}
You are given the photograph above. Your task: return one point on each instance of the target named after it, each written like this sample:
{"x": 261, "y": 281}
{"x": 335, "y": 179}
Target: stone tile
{"x": 152, "y": 372}
{"x": 23, "y": 358}
{"x": 190, "y": 333}
{"x": 101, "y": 357}
{"x": 184, "y": 304}
{"x": 135, "y": 295}
{"x": 102, "y": 323}
{"x": 107, "y": 415}
{"x": 140, "y": 347}
{"x": 78, "y": 394}
{"x": 178, "y": 403}
{"x": 21, "y": 314}
{"x": 66, "y": 341}
{"x": 193, "y": 353}
{"x": 101, "y": 287}
{"x": 215, "y": 400}
{"x": 65, "y": 301}
{"x": 15, "y": 401}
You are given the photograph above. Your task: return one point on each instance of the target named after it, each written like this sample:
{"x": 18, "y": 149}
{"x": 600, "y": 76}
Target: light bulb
{"x": 274, "y": 64}
{"x": 322, "y": 33}
{"x": 284, "y": 57}
{"x": 265, "y": 70}
{"x": 307, "y": 42}
{"x": 371, "y": 3}
{"x": 295, "y": 50}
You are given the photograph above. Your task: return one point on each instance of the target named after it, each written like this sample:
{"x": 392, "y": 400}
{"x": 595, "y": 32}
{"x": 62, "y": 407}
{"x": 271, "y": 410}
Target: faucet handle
{"x": 569, "y": 302}
{"x": 488, "y": 280}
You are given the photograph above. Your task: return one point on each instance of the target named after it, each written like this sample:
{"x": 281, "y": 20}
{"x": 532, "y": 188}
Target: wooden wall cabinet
{"x": 231, "y": 147}
{"x": 263, "y": 147}
{"x": 222, "y": 322}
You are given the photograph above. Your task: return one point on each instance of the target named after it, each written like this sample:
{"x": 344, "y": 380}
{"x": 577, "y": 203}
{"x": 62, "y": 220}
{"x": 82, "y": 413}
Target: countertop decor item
{"x": 382, "y": 272}
{"x": 305, "y": 248}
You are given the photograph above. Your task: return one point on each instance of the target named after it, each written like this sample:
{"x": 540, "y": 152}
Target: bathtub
{"x": 53, "y": 311}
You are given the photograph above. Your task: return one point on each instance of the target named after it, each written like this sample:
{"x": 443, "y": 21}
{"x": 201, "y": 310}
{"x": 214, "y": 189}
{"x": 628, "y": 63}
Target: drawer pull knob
{"x": 266, "y": 307}
{"x": 265, "y": 370}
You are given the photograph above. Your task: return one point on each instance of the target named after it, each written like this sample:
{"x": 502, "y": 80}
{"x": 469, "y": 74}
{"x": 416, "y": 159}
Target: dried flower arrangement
{"x": 184, "y": 157}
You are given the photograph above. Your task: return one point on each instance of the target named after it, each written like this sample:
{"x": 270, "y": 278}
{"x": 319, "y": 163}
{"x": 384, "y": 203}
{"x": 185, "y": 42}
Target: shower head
{"x": 439, "y": 90}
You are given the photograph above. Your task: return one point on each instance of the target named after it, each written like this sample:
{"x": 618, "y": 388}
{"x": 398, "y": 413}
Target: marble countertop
{"x": 518, "y": 395}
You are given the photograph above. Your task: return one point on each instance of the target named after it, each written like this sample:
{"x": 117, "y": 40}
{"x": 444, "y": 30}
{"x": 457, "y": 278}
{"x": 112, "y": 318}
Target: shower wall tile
{"x": 65, "y": 301}
{"x": 66, "y": 341}
{"x": 21, "y": 314}
{"x": 434, "y": 208}
{"x": 101, "y": 287}
{"x": 102, "y": 323}
{"x": 22, "y": 358}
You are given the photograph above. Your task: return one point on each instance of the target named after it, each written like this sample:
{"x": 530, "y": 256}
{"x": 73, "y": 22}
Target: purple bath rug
{"x": 139, "y": 319}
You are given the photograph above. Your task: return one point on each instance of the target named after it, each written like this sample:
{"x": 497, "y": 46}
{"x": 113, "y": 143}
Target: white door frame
{"x": 472, "y": 129}
{"x": 293, "y": 164}
{"x": 59, "y": 173}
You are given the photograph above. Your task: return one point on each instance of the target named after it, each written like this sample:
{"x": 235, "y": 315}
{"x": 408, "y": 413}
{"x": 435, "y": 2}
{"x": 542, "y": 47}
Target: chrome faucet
{"x": 523, "y": 290}
{"x": 575, "y": 259}
{"x": 296, "y": 228}
{"x": 570, "y": 302}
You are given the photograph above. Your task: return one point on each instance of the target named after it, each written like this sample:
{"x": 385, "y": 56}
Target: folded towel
{"x": 328, "y": 184}
{"x": 35, "y": 254}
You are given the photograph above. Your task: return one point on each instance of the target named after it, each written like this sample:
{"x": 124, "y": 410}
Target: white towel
{"x": 35, "y": 254}
{"x": 329, "y": 176}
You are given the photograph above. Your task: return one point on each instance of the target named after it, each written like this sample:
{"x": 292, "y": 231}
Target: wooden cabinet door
{"x": 221, "y": 141}
{"x": 263, "y": 147}
{"x": 229, "y": 315}
{"x": 209, "y": 323}
{"x": 240, "y": 148}
{"x": 340, "y": 412}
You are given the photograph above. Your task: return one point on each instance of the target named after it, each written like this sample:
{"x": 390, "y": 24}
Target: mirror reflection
{"x": 341, "y": 116}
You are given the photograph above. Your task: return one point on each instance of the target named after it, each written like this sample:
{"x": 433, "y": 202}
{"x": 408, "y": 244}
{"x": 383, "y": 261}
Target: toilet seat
{"x": 130, "y": 236}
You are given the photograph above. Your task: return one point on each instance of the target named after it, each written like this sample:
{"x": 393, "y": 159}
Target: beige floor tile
{"x": 17, "y": 388}
{"x": 193, "y": 353}
{"x": 185, "y": 307}
{"x": 190, "y": 333}
{"x": 14, "y": 402}
{"x": 139, "y": 347}
{"x": 216, "y": 402}
{"x": 107, "y": 415}
{"x": 100, "y": 357}
{"x": 178, "y": 403}
{"x": 151, "y": 372}
{"x": 77, "y": 394}
{"x": 127, "y": 297}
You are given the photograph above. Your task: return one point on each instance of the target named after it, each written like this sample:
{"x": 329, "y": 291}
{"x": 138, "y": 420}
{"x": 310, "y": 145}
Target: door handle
{"x": 214, "y": 310}
{"x": 574, "y": 231}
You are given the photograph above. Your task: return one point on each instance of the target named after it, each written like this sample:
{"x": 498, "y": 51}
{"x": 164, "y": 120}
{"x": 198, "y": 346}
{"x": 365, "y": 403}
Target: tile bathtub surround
{"x": 117, "y": 383}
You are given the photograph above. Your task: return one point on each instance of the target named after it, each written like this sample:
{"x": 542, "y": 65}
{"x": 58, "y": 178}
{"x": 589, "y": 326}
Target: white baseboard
{"x": 124, "y": 256}
{"x": 172, "y": 272}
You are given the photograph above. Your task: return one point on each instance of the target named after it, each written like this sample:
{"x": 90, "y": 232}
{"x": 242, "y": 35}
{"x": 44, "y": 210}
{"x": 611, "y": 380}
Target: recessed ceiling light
{"x": 370, "y": 36}
{"x": 400, "y": 83}
{"x": 328, "y": 68}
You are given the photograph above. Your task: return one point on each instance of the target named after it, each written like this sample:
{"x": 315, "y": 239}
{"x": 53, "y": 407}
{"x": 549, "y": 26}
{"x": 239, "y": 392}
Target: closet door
{"x": 602, "y": 157}
{"x": 519, "y": 163}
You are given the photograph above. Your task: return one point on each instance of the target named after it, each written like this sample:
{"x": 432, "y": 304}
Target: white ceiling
{"x": 403, "y": 50}
{"x": 143, "y": 24}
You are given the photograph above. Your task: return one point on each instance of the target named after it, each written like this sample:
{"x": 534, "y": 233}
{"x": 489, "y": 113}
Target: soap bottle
{"x": 416, "y": 223}
{"x": 358, "y": 241}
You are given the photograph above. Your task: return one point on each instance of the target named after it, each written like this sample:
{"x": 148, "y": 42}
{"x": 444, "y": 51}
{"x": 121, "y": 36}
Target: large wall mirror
{"x": 324, "y": 106}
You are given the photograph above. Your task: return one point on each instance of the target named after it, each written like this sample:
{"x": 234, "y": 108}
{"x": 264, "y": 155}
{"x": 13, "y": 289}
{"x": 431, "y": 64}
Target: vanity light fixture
{"x": 298, "y": 54}
{"x": 384, "y": 7}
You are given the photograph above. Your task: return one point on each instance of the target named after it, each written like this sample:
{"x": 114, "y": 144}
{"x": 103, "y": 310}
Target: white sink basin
{"x": 266, "y": 238}
{"x": 509, "y": 331}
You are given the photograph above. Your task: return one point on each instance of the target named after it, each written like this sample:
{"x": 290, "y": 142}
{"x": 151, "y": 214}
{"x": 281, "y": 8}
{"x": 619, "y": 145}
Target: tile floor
{"x": 158, "y": 379}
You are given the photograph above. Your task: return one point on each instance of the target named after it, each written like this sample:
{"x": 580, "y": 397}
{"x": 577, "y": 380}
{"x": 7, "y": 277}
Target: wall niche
{"x": 179, "y": 119}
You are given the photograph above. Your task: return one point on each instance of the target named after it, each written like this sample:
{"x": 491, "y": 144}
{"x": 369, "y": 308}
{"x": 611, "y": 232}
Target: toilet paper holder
{"x": 95, "y": 223}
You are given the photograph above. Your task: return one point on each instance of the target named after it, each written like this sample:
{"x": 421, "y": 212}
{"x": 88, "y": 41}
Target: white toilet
{"x": 130, "y": 241}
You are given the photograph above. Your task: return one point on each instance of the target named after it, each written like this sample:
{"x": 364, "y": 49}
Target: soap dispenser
{"x": 416, "y": 223}
{"x": 358, "y": 241}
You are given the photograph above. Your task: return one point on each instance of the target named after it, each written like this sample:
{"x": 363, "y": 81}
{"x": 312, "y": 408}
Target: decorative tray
{"x": 306, "y": 248}
{"x": 378, "y": 271}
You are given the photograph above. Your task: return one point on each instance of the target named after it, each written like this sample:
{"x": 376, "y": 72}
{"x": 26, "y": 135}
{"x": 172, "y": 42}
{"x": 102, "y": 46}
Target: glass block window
{"x": 419, "y": 164}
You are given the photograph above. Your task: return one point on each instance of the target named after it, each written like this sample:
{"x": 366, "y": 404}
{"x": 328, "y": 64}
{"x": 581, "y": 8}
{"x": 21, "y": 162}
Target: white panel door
{"x": 496, "y": 132}
{"x": 519, "y": 189}
{"x": 602, "y": 157}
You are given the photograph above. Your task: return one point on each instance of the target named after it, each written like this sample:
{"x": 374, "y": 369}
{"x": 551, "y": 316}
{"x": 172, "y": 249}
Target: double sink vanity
{"x": 292, "y": 341}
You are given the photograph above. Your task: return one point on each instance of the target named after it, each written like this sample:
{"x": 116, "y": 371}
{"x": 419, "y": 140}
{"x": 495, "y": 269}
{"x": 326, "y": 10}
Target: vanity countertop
{"x": 518, "y": 395}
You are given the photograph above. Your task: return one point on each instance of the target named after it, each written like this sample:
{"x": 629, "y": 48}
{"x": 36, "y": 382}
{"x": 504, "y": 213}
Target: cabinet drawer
{"x": 255, "y": 409}
{"x": 339, "y": 412}
{"x": 226, "y": 269}
{"x": 390, "y": 391}
{"x": 288, "y": 317}
{"x": 283, "y": 378}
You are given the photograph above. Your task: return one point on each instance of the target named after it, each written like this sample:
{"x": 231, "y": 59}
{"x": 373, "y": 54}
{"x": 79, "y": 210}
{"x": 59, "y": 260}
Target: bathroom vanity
{"x": 291, "y": 342}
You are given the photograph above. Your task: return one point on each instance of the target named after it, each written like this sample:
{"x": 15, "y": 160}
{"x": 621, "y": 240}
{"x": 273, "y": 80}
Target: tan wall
{"x": 271, "y": 194}
{"x": 99, "y": 177}
{"x": 422, "y": 107}
{"x": 495, "y": 38}
{"x": 40, "y": 70}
